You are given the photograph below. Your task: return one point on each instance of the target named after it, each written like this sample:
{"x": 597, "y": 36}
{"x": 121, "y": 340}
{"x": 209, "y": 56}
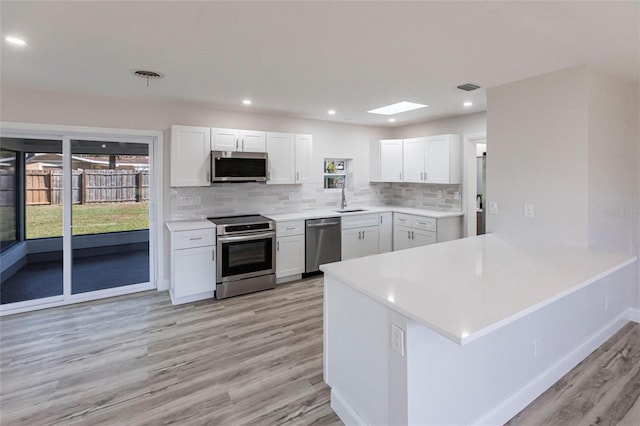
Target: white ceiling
{"x": 304, "y": 58}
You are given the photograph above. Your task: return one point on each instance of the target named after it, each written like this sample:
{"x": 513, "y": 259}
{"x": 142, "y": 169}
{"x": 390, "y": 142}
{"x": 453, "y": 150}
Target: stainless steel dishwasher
{"x": 323, "y": 242}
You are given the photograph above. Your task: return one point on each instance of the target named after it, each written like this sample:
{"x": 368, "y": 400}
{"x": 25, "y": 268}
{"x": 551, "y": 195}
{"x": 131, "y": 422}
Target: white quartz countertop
{"x": 315, "y": 214}
{"x": 467, "y": 288}
{"x": 189, "y": 225}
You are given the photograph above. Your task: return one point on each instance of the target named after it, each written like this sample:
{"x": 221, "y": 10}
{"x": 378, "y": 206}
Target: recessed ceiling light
{"x": 392, "y": 120}
{"x": 246, "y": 101}
{"x": 331, "y": 112}
{"x": 467, "y": 104}
{"x": 397, "y": 108}
{"x": 15, "y": 40}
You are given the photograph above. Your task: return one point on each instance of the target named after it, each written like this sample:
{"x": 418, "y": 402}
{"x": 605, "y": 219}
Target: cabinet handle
{"x": 408, "y": 235}
{"x": 380, "y": 218}
{"x": 400, "y": 175}
{"x": 236, "y": 144}
{"x": 421, "y": 175}
{"x": 291, "y": 229}
{"x": 426, "y": 176}
{"x": 207, "y": 177}
{"x": 422, "y": 223}
{"x": 195, "y": 238}
{"x": 413, "y": 236}
{"x": 363, "y": 234}
{"x": 242, "y": 144}
{"x": 278, "y": 246}
{"x": 213, "y": 255}
{"x": 297, "y": 175}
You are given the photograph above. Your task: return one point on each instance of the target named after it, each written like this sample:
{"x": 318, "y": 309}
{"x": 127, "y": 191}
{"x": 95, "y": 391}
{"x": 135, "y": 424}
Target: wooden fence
{"x": 88, "y": 186}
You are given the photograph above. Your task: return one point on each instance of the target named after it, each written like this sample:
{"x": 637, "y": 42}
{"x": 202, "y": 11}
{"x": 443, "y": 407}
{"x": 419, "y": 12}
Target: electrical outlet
{"x": 493, "y": 207}
{"x": 456, "y": 195}
{"x": 197, "y": 201}
{"x": 529, "y": 211}
{"x": 186, "y": 201}
{"x": 537, "y": 346}
{"x": 440, "y": 194}
{"x": 397, "y": 339}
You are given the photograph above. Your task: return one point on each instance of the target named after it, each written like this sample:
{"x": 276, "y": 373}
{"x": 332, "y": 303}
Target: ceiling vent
{"x": 468, "y": 87}
{"x": 149, "y": 75}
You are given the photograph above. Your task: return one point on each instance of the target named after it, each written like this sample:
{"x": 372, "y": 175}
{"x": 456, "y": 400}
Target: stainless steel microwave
{"x": 229, "y": 166}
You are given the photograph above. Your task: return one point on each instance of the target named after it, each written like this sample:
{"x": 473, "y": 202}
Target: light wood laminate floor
{"x": 250, "y": 360}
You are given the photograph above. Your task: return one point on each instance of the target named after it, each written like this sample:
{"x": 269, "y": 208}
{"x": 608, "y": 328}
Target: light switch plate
{"x": 493, "y": 207}
{"x": 397, "y": 339}
{"x": 529, "y": 211}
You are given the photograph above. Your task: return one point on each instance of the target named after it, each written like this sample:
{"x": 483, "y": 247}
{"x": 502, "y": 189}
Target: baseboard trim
{"x": 190, "y": 298}
{"x": 633, "y": 314}
{"x": 347, "y": 414}
{"x": 163, "y": 285}
{"x": 518, "y": 401}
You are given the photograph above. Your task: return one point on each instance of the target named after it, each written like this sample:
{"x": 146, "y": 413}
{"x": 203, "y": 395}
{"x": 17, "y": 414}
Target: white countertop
{"x": 467, "y": 288}
{"x": 315, "y": 214}
{"x": 189, "y": 225}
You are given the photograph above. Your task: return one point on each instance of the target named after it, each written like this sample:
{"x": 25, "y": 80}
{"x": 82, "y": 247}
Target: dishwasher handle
{"x": 322, "y": 225}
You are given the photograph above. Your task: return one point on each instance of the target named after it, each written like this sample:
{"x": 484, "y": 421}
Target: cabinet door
{"x": 281, "y": 152}
{"x": 437, "y": 159}
{"x": 225, "y": 140}
{"x": 414, "y": 159}
{"x": 391, "y": 160}
{"x": 385, "y": 238}
{"x": 190, "y": 156}
{"x": 402, "y": 238}
{"x": 369, "y": 242}
{"x": 422, "y": 238}
{"x": 194, "y": 271}
{"x": 251, "y": 141}
{"x": 351, "y": 243}
{"x": 304, "y": 152}
{"x": 290, "y": 256}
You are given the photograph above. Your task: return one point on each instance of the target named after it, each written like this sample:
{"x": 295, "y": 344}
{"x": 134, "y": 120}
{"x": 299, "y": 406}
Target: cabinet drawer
{"x": 195, "y": 238}
{"x": 426, "y": 223}
{"x": 359, "y": 221}
{"x": 402, "y": 219}
{"x": 286, "y": 229}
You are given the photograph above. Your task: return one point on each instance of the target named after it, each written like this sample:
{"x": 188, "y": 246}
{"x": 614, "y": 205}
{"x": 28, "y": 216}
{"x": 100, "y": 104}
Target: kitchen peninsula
{"x": 468, "y": 331}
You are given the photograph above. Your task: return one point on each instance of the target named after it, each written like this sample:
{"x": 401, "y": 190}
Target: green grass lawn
{"x": 46, "y": 221}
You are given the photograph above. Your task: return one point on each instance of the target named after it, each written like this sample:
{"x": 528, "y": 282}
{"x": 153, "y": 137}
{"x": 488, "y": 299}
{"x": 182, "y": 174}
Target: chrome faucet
{"x": 343, "y": 202}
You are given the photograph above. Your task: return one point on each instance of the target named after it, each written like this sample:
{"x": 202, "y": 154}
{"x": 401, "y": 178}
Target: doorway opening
{"x": 475, "y": 188}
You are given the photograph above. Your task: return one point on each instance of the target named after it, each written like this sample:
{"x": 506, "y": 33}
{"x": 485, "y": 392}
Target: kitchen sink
{"x": 351, "y": 210}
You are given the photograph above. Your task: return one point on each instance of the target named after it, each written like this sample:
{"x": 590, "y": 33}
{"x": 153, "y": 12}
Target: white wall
{"x": 459, "y": 125}
{"x": 537, "y": 153}
{"x": 614, "y": 203}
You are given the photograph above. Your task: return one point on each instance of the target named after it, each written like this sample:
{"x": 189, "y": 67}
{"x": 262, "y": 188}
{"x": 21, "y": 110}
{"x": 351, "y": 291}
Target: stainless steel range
{"x": 246, "y": 254}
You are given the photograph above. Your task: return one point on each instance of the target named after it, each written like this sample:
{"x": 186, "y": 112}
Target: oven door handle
{"x": 250, "y": 237}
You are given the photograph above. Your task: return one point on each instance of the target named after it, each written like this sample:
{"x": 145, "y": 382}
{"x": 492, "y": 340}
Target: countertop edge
{"x": 488, "y": 329}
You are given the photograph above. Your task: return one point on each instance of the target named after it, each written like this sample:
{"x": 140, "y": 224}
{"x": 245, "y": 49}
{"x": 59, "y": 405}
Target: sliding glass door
{"x": 75, "y": 219}
{"x": 110, "y": 215}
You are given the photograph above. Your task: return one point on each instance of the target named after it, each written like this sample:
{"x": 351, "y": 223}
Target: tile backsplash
{"x": 245, "y": 198}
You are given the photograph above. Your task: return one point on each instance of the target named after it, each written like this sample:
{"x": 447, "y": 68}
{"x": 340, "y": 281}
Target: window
{"x": 335, "y": 172}
{"x": 8, "y": 198}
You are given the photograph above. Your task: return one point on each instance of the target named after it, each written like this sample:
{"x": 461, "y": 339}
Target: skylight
{"x": 397, "y": 108}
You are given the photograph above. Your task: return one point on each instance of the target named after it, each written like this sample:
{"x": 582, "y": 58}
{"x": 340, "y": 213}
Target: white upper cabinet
{"x": 252, "y": 141}
{"x": 433, "y": 159}
{"x": 190, "y": 156}
{"x": 281, "y": 153}
{"x": 237, "y": 140}
{"x": 414, "y": 159}
{"x": 304, "y": 158}
{"x": 391, "y": 160}
{"x": 224, "y": 139}
{"x": 444, "y": 159}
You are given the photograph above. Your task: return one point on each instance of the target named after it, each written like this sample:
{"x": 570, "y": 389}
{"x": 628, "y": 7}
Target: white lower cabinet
{"x": 360, "y": 234}
{"x": 413, "y": 231}
{"x": 193, "y": 263}
{"x": 385, "y": 235}
{"x": 290, "y": 249}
